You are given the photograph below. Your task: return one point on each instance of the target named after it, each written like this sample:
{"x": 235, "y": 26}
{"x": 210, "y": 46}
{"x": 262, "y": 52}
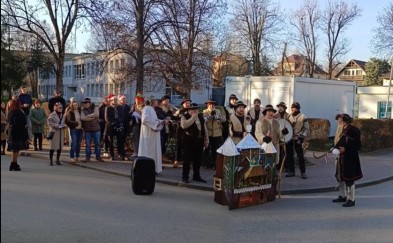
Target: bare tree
{"x": 125, "y": 26}
{"x": 306, "y": 20}
{"x": 182, "y": 46}
{"x": 383, "y": 38}
{"x": 335, "y": 20}
{"x": 25, "y": 16}
{"x": 257, "y": 22}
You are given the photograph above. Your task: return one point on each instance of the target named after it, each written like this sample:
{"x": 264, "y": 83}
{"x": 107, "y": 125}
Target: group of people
{"x": 153, "y": 121}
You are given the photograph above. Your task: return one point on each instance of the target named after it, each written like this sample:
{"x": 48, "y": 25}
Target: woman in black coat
{"x": 18, "y": 138}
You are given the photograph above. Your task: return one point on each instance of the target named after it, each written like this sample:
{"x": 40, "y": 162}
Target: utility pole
{"x": 390, "y": 85}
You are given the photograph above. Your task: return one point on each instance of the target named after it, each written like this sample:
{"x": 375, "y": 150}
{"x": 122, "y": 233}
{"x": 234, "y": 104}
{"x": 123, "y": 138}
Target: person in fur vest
{"x": 267, "y": 129}
{"x": 238, "y": 122}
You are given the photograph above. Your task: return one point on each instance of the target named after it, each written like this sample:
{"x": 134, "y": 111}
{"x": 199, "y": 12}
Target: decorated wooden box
{"x": 245, "y": 174}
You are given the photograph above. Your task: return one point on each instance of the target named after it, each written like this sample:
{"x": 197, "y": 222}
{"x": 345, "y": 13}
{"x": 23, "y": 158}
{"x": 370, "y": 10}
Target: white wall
{"x": 369, "y": 98}
{"x": 318, "y": 98}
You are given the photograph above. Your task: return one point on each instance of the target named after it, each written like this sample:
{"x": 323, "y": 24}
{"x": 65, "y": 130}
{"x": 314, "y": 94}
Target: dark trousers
{"x": 289, "y": 152}
{"x": 121, "y": 140}
{"x": 214, "y": 144}
{"x": 38, "y": 140}
{"x": 104, "y": 139}
{"x": 192, "y": 152}
{"x": 300, "y": 156}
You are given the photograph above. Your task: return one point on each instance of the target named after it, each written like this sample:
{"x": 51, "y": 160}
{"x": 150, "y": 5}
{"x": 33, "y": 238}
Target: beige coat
{"x": 57, "y": 126}
{"x": 214, "y": 127}
{"x": 300, "y": 125}
{"x": 4, "y": 135}
{"x": 272, "y": 126}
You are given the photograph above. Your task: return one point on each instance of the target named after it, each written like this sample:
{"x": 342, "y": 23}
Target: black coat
{"x": 17, "y": 131}
{"x": 349, "y": 160}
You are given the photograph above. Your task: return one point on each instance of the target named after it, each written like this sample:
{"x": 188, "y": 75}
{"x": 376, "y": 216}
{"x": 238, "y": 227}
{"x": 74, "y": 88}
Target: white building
{"x": 95, "y": 75}
{"x": 373, "y": 99}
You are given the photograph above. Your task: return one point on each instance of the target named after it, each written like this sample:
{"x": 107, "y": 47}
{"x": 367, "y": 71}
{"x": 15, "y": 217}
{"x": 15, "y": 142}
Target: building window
{"x": 347, "y": 72}
{"x": 117, "y": 66}
{"x": 122, "y": 63}
{"x": 358, "y": 72}
{"x": 80, "y": 71}
{"x": 382, "y": 110}
{"x": 110, "y": 66}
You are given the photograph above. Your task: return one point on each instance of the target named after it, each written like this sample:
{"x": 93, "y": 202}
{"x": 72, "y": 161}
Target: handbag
{"x": 50, "y": 135}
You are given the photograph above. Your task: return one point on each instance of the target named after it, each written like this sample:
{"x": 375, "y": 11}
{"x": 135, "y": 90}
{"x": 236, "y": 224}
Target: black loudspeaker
{"x": 143, "y": 176}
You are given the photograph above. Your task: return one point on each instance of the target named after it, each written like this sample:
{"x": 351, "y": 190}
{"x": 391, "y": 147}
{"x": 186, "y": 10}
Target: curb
{"x": 206, "y": 188}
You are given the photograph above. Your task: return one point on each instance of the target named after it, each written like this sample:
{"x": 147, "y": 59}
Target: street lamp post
{"x": 390, "y": 85}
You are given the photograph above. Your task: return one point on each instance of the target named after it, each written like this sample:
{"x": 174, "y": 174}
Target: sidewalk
{"x": 377, "y": 167}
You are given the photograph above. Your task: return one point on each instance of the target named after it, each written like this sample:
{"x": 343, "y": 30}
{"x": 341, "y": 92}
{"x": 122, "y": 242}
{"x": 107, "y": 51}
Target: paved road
{"x": 377, "y": 167}
{"x": 70, "y": 204}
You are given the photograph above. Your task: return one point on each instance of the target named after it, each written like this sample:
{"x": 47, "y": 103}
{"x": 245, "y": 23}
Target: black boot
{"x": 51, "y": 163}
{"x": 14, "y": 166}
{"x": 58, "y": 162}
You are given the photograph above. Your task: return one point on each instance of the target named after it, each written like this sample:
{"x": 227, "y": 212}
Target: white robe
{"x": 150, "y": 140}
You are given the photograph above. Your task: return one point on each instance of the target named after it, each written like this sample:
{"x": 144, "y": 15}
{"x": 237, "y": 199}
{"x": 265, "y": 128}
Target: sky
{"x": 359, "y": 32}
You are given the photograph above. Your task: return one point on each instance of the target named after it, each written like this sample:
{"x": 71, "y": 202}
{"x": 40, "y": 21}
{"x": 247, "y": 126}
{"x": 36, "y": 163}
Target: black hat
{"x": 346, "y": 118}
{"x": 86, "y": 100}
{"x": 282, "y": 104}
{"x": 232, "y": 96}
{"x": 295, "y": 105}
{"x": 193, "y": 106}
{"x": 184, "y": 100}
{"x": 239, "y": 103}
{"x": 268, "y": 108}
{"x": 165, "y": 97}
{"x": 210, "y": 102}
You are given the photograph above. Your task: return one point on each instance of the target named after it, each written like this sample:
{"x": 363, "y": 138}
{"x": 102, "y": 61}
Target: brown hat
{"x": 268, "y": 108}
{"x": 282, "y": 104}
{"x": 193, "y": 106}
{"x": 210, "y": 102}
{"x": 232, "y": 96}
{"x": 184, "y": 100}
{"x": 240, "y": 103}
{"x": 295, "y": 105}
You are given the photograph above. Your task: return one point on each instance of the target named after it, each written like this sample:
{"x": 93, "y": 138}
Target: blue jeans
{"x": 76, "y": 138}
{"x": 97, "y": 149}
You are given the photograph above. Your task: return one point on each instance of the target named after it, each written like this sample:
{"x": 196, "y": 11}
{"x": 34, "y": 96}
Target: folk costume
{"x": 267, "y": 129}
{"x": 286, "y": 146}
{"x": 348, "y": 166}
{"x": 214, "y": 129}
{"x": 300, "y": 132}
{"x": 238, "y": 124}
{"x": 194, "y": 139}
{"x": 150, "y": 138}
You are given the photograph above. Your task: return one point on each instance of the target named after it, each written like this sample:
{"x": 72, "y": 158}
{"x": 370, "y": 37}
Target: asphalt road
{"x": 72, "y": 204}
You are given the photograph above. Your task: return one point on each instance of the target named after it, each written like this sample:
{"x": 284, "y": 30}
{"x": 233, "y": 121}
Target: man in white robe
{"x": 150, "y": 141}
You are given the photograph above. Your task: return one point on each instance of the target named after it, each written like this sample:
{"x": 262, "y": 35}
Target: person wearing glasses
{"x": 56, "y": 125}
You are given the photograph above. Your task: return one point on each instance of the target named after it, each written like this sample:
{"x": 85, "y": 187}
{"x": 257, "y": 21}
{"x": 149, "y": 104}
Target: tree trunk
{"x": 140, "y": 46}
